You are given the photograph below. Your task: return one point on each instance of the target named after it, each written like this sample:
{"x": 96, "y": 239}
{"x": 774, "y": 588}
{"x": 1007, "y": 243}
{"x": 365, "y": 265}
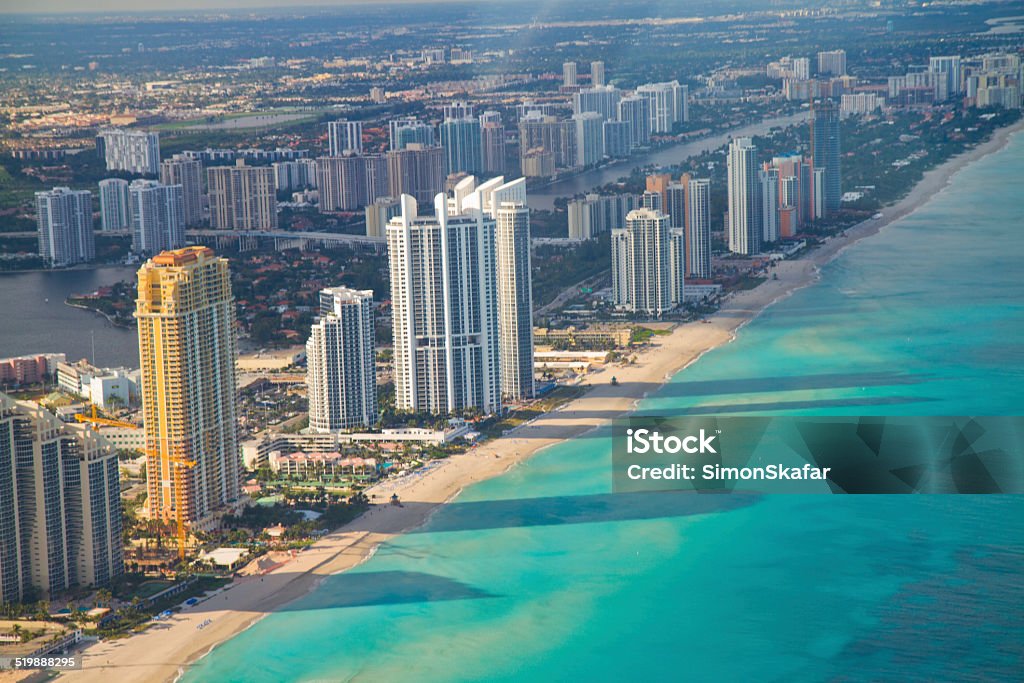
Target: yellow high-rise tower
{"x": 186, "y": 318}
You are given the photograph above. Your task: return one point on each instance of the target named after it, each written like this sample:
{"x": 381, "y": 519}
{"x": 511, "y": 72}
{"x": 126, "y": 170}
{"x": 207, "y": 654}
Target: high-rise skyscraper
{"x": 594, "y": 214}
{"x": 492, "y": 143}
{"x": 675, "y": 204}
{"x": 340, "y": 372}
{"x": 589, "y": 138}
{"x": 677, "y": 266}
{"x": 294, "y": 175}
{"x": 242, "y": 197}
{"x": 157, "y": 216}
{"x": 344, "y": 137}
{"x": 699, "y": 229}
{"x": 507, "y": 203}
{"x": 417, "y": 171}
{"x": 461, "y": 139}
{"x": 597, "y": 73}
{"x": 769, "y": 179}
{"x": 348, "y": 182}
{"x": 444, "y": 307}
{"x": 636, "y": 111}
{"x": 617, "y": 139}
{"x": 134, "y": 151}
{"x": 657, "y": 183}
{"x": 548, "y": 133}
{"x": 819, "y": 192}
{"x": 826, "y": 152}
{"x": 186, "y": 318}
{"x": 667, "y": 104}
{"x": 949, "y": 68}
{"x": 406, "y": 131}
{"x": 745, "y": 210}
{"x": 641, "y": 264}
{"x": 601, "y": 99}
{"x": 802, "y": 68}
{"x": 60, "y": 504}
{"x": 651, "y": 200}
{"x": 114, "y": 212}
{"x": 832, "y": 63}
{"x": 569, "y": 74}
{"x": 379, "y": 214}
{"x": 457, "y": 109}
{"x": 64, "y": 220}
{"x": 181, "y": 170}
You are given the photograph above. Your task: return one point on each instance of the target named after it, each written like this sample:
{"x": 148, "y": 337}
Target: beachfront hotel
{"x": 745, "y": 209}
{"x": 186, "y": 319}
{"x": 647, "y": 264}
{"x": 826, "y": 152}
{"x": 444, "y": 308}
{"x": 60, "y": 504}
{"x": 507, "y": 204}
{"x": 698, "y": 229}
{"x": 341, "y": 378}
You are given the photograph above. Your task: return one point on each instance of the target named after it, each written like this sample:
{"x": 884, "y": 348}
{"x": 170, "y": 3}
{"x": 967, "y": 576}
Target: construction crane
{"x": 178, "y": 463}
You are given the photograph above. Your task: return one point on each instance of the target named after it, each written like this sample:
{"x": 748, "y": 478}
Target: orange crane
{"x": 179, "y": 463}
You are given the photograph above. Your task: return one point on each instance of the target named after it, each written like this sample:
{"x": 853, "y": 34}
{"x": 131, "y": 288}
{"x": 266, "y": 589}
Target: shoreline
{"x": 109, "y": 318}
{"x": 167, "y": 649}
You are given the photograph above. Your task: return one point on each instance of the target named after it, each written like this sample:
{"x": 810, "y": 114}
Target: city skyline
{"x": 392, "y": 287}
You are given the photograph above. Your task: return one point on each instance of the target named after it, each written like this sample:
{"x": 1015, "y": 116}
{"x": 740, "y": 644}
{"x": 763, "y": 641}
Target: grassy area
{"x": 202, "y": 122}
{"x": 640, "y": 335}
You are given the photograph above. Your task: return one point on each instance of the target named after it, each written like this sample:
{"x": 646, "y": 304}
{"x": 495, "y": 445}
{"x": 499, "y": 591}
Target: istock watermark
{"x": 868, "y": 454}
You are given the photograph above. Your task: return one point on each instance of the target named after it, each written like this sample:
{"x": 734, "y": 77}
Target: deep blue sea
{"x": 544, "y": 575}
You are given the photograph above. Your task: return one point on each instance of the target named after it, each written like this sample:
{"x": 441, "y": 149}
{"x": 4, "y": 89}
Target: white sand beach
{"x": 166, "y": 648}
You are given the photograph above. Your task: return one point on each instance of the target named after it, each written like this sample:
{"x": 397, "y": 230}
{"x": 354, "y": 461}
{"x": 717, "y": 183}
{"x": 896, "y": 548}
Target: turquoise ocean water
{"x": 543, "y": 574}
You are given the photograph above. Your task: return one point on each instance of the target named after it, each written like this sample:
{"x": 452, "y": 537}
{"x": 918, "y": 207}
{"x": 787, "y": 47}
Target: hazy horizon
{"x": 100, "y": 6}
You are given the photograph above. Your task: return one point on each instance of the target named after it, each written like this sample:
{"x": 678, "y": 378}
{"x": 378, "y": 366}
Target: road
{"x": 568, "y": 293}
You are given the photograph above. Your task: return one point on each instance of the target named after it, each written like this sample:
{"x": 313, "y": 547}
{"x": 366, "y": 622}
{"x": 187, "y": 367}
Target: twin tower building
{"x": 462, "y": 314}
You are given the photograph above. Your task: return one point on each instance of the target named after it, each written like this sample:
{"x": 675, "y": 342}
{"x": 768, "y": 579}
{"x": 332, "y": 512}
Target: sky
{"x": 40, "y": 6}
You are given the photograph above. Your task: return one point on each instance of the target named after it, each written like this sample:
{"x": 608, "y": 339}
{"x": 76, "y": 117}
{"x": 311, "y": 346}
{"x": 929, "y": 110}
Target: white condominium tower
{"x": 181, "y": 170}
{"x": 569, "y": 74}
{"x": 64, "y": 220}
{"x": 699, "y": 229}
{"x": 157, "y": 216}
{"x": 745, "y": 210}
{"x": 114, "y": 211}
{"x": 667, "y": 104}
{"x": 950, "y": 68}
{"x": 340, "y": 375}
{"x": 832, "y": 63}
{"x": 508, "y": 207}
{"x": 444, "y": 306}
{"x": 597, "y": 73}
{"x": 636, "y": 112}
{"x": 642, "y": 273}
{"x": 345, "y": 137}
{"x": 135, "y": 151}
